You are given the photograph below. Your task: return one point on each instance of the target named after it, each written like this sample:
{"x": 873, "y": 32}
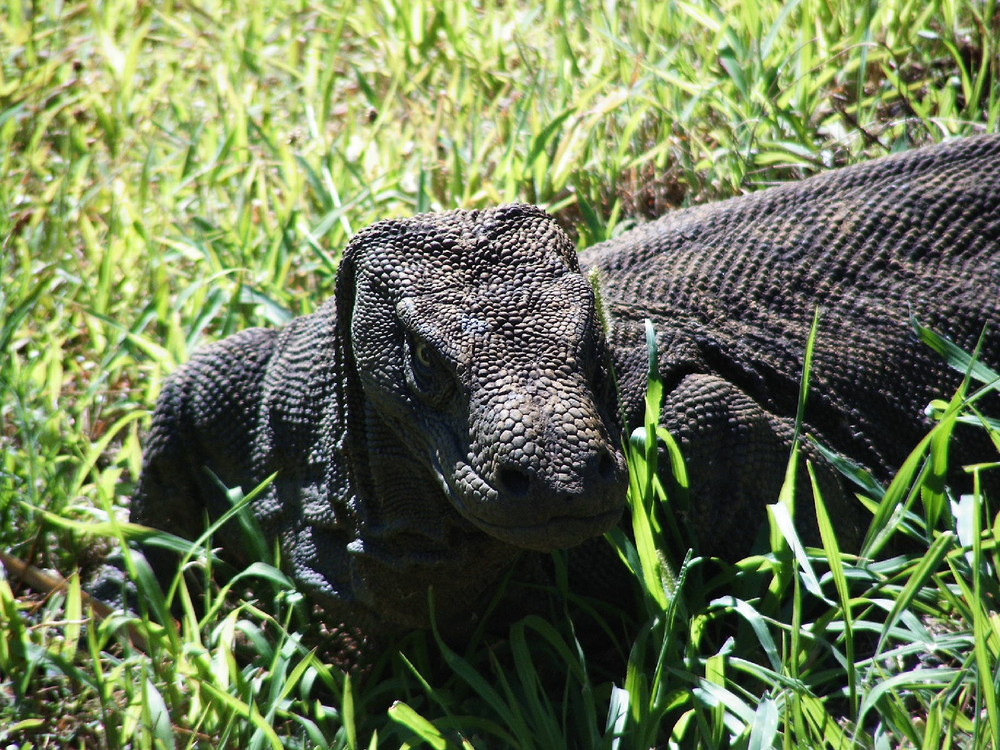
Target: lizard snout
{"x": 601, "y": 468}
{"x": 552, "y": 513}
{"x": 557, "y": 477}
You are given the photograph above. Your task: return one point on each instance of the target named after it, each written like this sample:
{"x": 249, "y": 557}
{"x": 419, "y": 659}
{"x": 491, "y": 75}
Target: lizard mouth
{"x": 558, "y": 532}
{"x": 563, "y": 520}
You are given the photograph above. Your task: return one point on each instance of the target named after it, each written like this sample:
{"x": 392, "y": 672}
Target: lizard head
{"x": 474, "y": 337}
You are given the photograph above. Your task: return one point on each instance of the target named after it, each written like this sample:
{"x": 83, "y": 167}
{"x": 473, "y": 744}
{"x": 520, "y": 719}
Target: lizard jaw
{"x": 541, "y": 522}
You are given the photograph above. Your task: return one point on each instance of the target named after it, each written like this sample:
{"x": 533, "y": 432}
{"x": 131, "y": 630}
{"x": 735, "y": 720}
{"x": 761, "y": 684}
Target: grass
{"x": 174, "y": 172}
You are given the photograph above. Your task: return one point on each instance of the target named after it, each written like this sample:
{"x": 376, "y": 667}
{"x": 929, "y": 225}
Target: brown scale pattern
{"x": 917, "y": 233}
{"x": 447, "y": 410}
{"x": 452, "y": 409}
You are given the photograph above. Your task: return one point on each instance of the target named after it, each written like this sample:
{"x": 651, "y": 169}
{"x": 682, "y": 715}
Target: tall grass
{"x": 173, "y": 172}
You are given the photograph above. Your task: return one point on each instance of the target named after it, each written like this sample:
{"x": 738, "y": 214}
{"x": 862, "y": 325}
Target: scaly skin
{"x": 452, "y": 409}
{"x": 448, "y": 409}
{"x": 732, "y": 288}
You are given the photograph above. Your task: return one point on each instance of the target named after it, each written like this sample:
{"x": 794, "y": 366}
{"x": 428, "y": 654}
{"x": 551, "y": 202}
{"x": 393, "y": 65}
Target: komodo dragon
{"x": 454, "y": 404}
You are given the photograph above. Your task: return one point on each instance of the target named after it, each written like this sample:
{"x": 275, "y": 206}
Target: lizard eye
{"x": 423, "y": 353}
{"x": 425, "y": 371}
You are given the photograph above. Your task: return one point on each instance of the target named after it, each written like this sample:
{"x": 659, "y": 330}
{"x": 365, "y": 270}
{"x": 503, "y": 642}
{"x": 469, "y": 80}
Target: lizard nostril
{"x": 606, "y": 466}
{"x": 514, "y": 481}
